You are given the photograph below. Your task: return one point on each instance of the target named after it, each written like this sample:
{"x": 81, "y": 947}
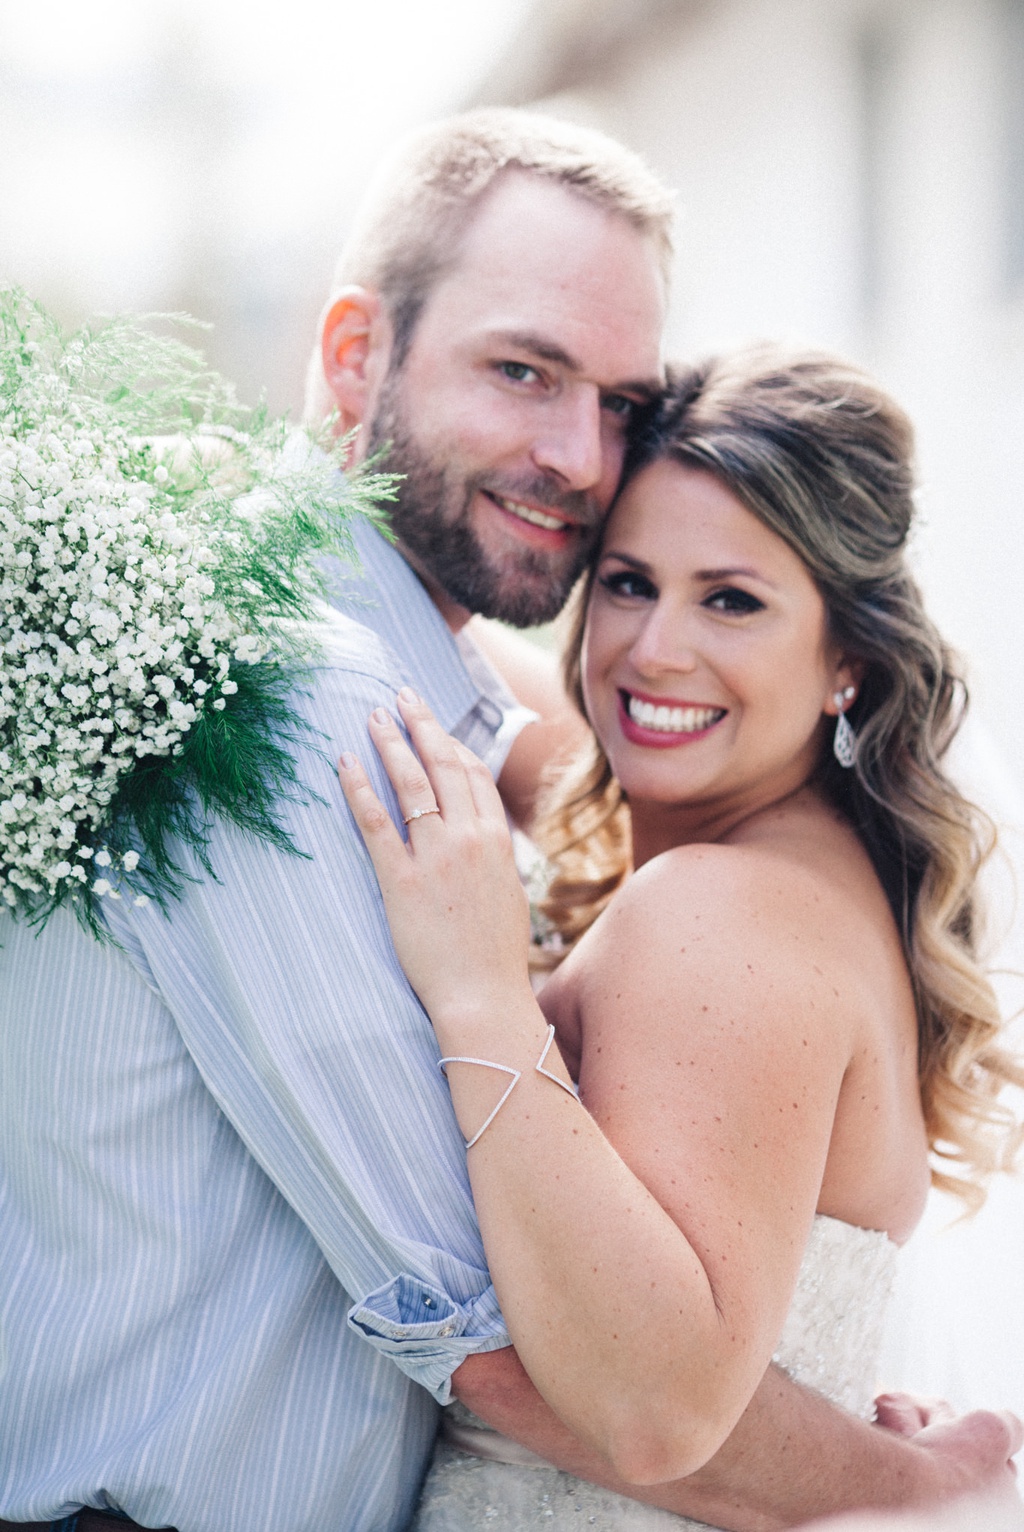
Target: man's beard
{"x": 432, "y": 518}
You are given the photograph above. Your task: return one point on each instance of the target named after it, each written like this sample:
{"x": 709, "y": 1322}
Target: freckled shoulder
{"x": 735, "y": 887}
{"x": 736, "y": 924}
{"x": 715, "y": 1045}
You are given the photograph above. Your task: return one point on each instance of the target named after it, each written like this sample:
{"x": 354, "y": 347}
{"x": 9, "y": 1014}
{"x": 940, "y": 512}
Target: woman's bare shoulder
{"x": 743, "y": 892}
{"x": 716, "y": 1040}
{"x": 798, "y": 872}
{"x": 714, "y": 930}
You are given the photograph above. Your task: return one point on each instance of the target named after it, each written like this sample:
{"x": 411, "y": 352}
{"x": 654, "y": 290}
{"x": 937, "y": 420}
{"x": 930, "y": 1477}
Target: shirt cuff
{"x": 425, "y": 1332}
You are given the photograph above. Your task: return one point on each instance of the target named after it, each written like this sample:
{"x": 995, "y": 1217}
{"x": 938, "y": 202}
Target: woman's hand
{"x": 457, "y": 910}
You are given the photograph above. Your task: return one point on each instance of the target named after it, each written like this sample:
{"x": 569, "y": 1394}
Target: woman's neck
{"x": 657, "y": 827}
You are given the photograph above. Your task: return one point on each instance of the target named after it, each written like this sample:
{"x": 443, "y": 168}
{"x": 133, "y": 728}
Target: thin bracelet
{"x": 517, "y": 1075}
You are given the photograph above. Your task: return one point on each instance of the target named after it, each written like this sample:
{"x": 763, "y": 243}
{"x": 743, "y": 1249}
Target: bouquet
{"x": 160, "y": 551}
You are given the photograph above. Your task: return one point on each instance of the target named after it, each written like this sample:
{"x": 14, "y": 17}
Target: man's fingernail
{"x": 381, "y": 715}
{"x": 408, "y": 695}
{"x": 346, "y": 760}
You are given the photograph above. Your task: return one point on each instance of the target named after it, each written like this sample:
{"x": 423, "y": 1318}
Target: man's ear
{"x": 350, "y": 342}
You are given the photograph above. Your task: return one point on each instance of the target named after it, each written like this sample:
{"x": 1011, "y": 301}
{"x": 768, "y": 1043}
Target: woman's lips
{"x": 649, "y": 722}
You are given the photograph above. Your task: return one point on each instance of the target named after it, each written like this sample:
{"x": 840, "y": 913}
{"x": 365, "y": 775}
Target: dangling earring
{"x": 844, "y": 744}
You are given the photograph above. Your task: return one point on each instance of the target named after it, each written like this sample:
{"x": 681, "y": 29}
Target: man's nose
{"x": 572, "y": 445}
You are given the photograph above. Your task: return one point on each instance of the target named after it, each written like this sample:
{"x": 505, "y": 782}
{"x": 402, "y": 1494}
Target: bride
{"x": 764, "y": 897}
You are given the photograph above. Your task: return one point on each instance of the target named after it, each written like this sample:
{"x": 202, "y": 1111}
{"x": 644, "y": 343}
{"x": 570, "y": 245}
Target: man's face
{"x": 510, "y": 412}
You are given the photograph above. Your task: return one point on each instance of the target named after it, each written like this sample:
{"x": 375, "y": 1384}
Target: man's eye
{"x": 627, "y": 582}
{"x": 734, "y": 601}
{"x": 517, "y": 372}
{"x": 618, "y": 404}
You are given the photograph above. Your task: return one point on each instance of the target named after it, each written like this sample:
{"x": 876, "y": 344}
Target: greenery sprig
{"x": 160, "y": 566}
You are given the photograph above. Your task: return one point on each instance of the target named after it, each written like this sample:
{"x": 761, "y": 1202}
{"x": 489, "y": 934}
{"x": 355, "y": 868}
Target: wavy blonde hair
{"x": 824, "y": 458}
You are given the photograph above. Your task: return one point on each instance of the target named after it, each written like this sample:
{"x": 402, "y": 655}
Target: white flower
{"x": 114, "y": 641}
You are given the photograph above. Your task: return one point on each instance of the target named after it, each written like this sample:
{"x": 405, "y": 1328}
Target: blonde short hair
{"x": 410, "y": 227}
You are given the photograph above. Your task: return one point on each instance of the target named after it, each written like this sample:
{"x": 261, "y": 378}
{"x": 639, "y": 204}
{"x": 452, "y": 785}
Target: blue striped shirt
{"x": 239, "y": 1259}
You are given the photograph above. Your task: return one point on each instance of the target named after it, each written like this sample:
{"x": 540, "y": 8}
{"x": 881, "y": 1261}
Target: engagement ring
{"x": 418, "y": 814}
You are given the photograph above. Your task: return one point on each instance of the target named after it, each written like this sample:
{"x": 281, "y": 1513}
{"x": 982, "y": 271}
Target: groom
{"x": 237, "y": 1248}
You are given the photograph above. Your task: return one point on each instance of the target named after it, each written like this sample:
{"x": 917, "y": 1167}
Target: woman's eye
{"x": 734, "y": 601}
{"x": 627, "y": 582}
{"x": 517, "y": 372}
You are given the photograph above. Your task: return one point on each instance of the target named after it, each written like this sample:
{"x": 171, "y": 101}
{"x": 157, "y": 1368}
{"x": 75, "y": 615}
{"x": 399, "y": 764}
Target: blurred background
{"x": 850, "y": 173}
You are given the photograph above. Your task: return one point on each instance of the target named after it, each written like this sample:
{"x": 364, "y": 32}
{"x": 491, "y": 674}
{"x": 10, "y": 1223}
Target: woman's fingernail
{"x": 346, "y": 760}
{"x": 381, "y": 715}
{"x": 408, "y": 695}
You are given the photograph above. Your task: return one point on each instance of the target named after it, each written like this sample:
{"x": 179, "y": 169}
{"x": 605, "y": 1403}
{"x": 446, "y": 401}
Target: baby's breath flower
{"x": 137, "y": 571}
{"x": 88, "y": 531}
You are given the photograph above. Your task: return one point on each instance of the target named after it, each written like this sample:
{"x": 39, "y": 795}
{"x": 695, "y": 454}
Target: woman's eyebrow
{"x": 710, "y": 576}
{"x": 624, "y": 558}
{"x": 702, "y": 576}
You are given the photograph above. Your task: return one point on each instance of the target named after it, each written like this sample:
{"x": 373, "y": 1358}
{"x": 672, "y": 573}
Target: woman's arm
{"x": 646, "y": 1330}
{"x": 793, "y": 1455}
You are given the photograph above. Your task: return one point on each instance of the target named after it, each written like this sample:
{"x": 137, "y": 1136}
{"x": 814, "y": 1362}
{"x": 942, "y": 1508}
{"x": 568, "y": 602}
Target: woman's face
{"x": 707, "y": 663}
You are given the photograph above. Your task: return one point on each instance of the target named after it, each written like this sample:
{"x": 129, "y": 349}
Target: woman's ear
{"x": 351, "y": 332}
{"x": 849, "y": 674}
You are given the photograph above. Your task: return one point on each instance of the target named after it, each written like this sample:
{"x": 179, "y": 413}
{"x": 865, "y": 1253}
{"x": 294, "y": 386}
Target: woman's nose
{"x": 664, "y": 643}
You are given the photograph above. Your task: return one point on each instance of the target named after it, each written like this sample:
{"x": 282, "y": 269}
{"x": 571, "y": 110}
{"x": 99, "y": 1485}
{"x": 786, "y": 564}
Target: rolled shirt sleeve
{"x": 422, "y": 1329}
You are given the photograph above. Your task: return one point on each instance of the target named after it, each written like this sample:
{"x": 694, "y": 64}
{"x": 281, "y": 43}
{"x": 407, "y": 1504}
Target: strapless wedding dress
{"x": 830, "y": 1342}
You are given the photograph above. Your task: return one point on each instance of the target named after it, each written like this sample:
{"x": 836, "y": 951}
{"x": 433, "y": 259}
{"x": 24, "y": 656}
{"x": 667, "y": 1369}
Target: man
{"x": 237, "y": 1246}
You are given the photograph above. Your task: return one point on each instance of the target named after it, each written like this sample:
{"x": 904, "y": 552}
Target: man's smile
{"x": 545, "y": 520}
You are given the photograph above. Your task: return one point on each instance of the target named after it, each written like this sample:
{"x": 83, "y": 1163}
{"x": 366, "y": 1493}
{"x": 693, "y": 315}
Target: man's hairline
{"x": 447, "y": 267}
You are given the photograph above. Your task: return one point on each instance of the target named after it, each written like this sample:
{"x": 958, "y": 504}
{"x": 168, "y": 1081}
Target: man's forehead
{"x": 544, "y": 265}
{"x": 530, "y": 213}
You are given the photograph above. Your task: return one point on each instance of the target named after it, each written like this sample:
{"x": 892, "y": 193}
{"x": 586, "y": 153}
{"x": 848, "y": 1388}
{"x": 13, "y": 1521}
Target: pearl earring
{"x": 844, "y": 743}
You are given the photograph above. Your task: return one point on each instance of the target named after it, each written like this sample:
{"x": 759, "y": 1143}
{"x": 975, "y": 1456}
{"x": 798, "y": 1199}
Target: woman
{"x": 765, "y": 889}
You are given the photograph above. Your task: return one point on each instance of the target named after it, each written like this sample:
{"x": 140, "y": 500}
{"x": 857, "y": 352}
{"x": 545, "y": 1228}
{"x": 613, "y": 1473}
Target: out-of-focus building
{"x": 850, "y": 174}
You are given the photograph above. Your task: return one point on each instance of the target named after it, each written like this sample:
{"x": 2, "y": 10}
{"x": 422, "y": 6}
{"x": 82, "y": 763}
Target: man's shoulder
{"x": 345, "y": 646}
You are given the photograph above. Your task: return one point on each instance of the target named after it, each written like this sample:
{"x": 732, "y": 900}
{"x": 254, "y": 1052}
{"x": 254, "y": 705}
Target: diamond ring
{"x": 418, "y": 814}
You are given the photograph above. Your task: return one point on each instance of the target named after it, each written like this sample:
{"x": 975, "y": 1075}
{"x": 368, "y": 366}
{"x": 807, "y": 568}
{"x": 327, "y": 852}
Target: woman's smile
{"x": 660, "y": 723}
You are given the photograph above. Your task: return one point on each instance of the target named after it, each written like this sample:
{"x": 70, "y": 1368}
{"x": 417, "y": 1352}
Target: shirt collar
{"x": 467, "y": 695}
